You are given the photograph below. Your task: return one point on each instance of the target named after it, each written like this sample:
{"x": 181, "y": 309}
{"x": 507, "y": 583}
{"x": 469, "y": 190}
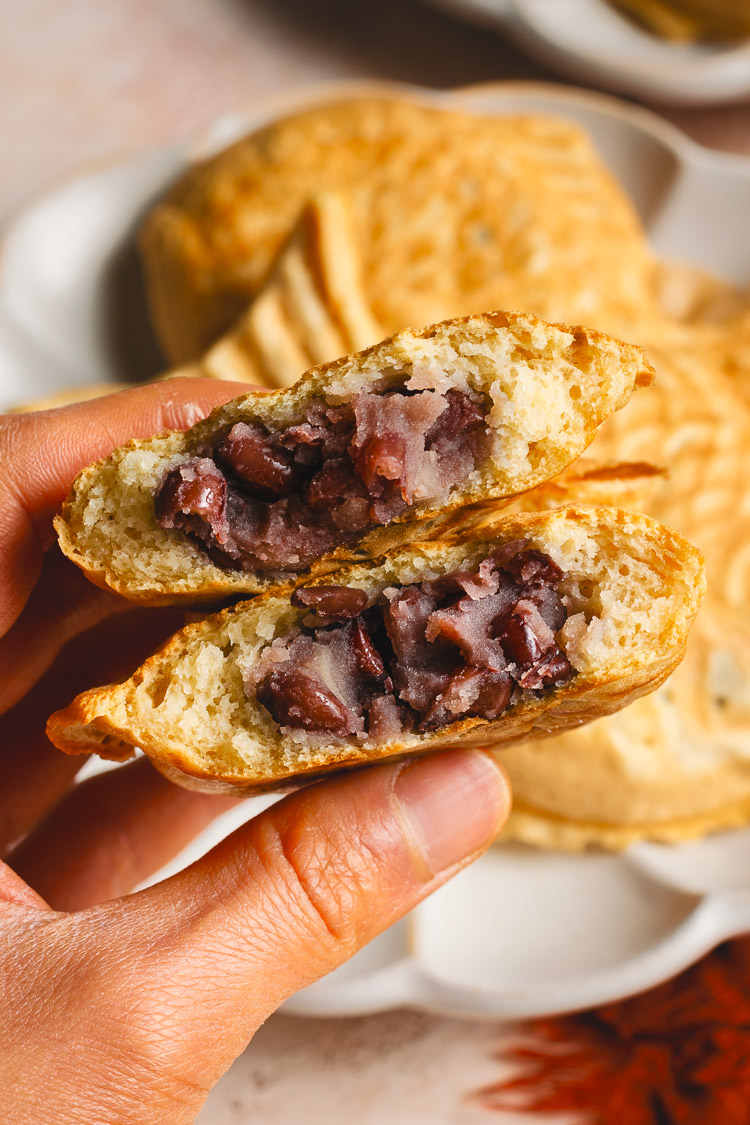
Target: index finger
{"x": 41, "y": 453}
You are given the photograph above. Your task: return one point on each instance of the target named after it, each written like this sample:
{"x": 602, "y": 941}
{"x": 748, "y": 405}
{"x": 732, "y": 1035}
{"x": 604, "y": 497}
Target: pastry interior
{"x": 254, "y": 498}
{"x": 213, "y": 704}
{"x": 621, "y": 590}
{"x": 422, "y": 655}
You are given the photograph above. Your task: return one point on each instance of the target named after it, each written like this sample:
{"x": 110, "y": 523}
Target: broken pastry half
{"x": 558, "y": 618}
{"x": 363, "y": 454}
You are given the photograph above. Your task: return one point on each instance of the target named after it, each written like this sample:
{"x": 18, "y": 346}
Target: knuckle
{"x": 319, "y": 879}
{"x": 307, "y": 884}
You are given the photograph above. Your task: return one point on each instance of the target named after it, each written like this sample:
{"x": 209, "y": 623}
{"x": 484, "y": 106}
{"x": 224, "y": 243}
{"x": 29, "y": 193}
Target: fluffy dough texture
{"x": 550, "y": 387}
{"x": 636, "y": 586}
{"x": 452, "y": 213}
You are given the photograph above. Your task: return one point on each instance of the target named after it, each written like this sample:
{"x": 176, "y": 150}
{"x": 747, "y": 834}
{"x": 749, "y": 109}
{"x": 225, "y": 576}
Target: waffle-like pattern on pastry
{"x": 452, "y": 214}
{"x": 729, "y": 346}
{"x": 682, "y": 755}
{"x": 626, "y": 484}
{"x": 311, "y": 308}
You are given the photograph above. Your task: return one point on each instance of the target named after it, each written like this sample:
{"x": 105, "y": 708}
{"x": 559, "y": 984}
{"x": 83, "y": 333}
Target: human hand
{"x": 127, "y": 1008}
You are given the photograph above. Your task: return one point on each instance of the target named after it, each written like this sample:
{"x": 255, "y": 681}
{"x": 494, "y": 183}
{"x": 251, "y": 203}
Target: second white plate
{"x": 591, "y": 41}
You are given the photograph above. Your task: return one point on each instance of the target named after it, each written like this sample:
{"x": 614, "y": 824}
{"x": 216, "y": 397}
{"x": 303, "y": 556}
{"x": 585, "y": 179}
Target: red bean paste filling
{"x": 425, "y": 655}
{"x": 256, "y": 499}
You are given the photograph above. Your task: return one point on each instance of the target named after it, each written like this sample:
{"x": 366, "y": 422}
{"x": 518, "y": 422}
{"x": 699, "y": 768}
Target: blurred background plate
{"x": 590, "y": 41}
{"x": 521, "y": 932}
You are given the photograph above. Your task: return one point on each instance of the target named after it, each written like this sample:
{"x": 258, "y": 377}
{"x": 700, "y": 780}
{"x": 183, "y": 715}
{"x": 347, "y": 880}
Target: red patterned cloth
{"x": 678, "y": 1054}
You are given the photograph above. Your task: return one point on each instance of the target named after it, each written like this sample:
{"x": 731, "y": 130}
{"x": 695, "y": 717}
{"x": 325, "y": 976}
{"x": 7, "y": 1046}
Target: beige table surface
{"x": 85, "y": 81}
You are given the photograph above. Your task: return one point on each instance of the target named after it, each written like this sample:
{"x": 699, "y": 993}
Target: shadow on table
{"x": 405, "y": 40}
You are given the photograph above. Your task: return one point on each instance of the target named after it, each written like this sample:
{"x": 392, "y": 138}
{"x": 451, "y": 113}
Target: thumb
{"x": 295, "y": 892}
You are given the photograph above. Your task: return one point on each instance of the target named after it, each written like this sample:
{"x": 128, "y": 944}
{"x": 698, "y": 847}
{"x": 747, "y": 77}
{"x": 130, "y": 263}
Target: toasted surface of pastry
{"x": 311, "y": 308}
{"x": 543, "y": 830}
{"x": 451, "y": 213}
{"x": 677, "y": 762}
{"x": 625, "y": 484}
{"x": 538, "y": 392}
{"x": 631, "y": 589}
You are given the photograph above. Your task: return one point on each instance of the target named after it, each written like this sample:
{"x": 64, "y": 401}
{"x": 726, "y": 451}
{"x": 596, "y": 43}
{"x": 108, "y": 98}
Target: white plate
{"x": 592, "y": 42}
{"x": 521, "y": 932}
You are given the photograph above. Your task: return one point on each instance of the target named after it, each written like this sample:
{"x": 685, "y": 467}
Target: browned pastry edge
{"x": 202, "y": 582}
{"x": 86, "y": 727}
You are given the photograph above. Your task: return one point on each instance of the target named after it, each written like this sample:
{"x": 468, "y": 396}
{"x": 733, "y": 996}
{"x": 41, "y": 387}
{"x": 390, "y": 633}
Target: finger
{"x": 33, "y": 773}
{"x": 14, "y": 890}
{"x": 41, "y": 453}
{"x": 63, "y": 604}
{"x": 109, "y": 834}
{"x": 297, "y": 891}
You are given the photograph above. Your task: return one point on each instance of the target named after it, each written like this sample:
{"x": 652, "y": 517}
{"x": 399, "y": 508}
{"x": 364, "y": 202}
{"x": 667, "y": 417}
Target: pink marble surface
{"x": 404, "y": 1068}
{"x": 85, "y": 82}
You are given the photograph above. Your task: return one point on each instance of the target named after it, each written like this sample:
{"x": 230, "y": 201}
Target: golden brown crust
{"x": 666, "y": 576}
{"x": 681, "y": 755}
{"x": 626, "y": 484}
{"x": 452, "y": 212}
{"x": 544, "y": 830}
{"x": 311, "y": 308}
{"x": 107, "y": 525}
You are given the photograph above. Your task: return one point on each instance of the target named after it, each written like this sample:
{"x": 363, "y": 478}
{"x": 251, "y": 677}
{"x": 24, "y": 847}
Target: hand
{"x": 119, "y": 1007}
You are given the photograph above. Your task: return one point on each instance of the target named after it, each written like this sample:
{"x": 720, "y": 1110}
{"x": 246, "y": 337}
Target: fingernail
{"x": 455, "y": 804}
